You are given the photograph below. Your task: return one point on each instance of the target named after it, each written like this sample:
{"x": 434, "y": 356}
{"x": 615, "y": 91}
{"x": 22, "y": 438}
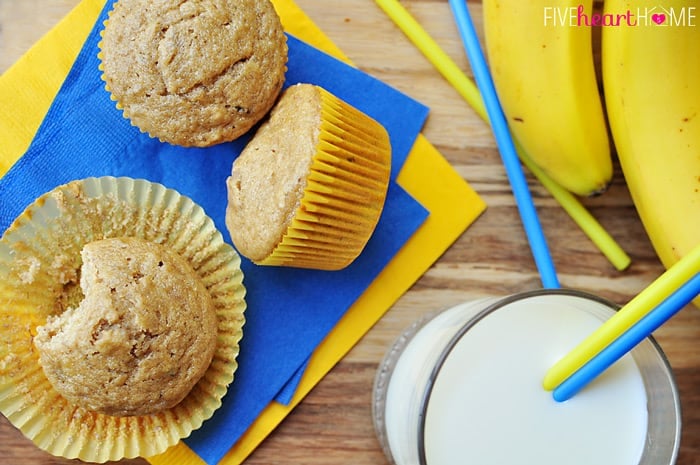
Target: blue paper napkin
{"x": 290, "y": 311}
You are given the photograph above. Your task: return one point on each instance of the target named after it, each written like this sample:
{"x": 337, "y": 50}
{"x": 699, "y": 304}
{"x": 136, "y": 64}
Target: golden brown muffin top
{"x": 268, "y": 178}
{"x": 194, "y": 72}
{"x": 141, "y": 338}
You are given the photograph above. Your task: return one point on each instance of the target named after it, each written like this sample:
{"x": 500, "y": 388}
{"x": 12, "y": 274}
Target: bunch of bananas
{"x": 541, "y": 58}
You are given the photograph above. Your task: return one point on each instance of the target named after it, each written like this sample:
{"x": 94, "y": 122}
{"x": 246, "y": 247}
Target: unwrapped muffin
{"x": 194, "y": 72}
{"x": 308, "y": 189}
{"x": 59, "y": 261}
{"x": 143, "y": 335}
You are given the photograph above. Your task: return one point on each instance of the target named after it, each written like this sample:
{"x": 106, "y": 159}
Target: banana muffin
{"x": 194, "y": 72}
{"x": 143, "y": 335}
{"x": 308, "y": 189}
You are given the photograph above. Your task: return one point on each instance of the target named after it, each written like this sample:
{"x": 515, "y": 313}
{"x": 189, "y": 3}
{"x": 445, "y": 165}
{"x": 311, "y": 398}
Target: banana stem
{"x": 469, "y": 91}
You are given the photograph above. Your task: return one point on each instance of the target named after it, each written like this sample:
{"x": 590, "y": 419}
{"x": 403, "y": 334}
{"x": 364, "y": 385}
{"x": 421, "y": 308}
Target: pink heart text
{"x": 658, "y": 18}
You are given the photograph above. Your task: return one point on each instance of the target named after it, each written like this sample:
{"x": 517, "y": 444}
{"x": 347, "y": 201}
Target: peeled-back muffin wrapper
{"x": 39, "y": 266}
{"x": 345, "y": 191}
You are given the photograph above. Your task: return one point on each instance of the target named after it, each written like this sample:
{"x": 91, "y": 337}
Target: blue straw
{"x": 514, "y": 170}
{"x": 628, "y": 340}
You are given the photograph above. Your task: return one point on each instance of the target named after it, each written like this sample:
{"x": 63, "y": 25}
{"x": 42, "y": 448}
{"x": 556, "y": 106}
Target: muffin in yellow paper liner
{"x": 309, "y": 188}
{"x": 192, "y": 73}
{"x": 39, "y": 272}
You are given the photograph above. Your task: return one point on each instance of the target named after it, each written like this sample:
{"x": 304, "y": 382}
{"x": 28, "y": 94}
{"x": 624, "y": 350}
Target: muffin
{"x": 143, "y": 335}
{"x": 162, "y": 255}
{"x": 195, "y": 72}
{"x": 308, "y": 189}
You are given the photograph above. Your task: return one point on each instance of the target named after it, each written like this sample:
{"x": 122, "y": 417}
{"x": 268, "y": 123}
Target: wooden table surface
{"x": 333, "y": 425}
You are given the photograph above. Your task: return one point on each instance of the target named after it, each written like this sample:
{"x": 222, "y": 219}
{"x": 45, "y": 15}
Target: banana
{"x": 543, "y": 69}
{"x": 650, "y": 80}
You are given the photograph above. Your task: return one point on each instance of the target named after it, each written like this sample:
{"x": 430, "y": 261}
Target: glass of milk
{"x": 465, "y": 387}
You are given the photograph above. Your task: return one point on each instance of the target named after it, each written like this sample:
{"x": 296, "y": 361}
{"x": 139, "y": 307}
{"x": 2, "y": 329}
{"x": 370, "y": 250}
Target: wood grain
{"x": 333, "y": 424}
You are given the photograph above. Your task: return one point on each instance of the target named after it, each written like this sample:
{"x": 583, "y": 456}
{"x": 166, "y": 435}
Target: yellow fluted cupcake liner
{"x": 345, "y": 191}
{"x": 101, "y": 68}
{"x": 39, "y": 274}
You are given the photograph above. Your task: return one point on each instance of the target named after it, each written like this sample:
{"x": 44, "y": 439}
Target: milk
{"x": 481, "y": 401}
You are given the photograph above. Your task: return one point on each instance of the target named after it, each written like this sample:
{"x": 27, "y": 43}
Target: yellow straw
{"x": 469, "y": 91}
{"x": 628, "y": 316}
